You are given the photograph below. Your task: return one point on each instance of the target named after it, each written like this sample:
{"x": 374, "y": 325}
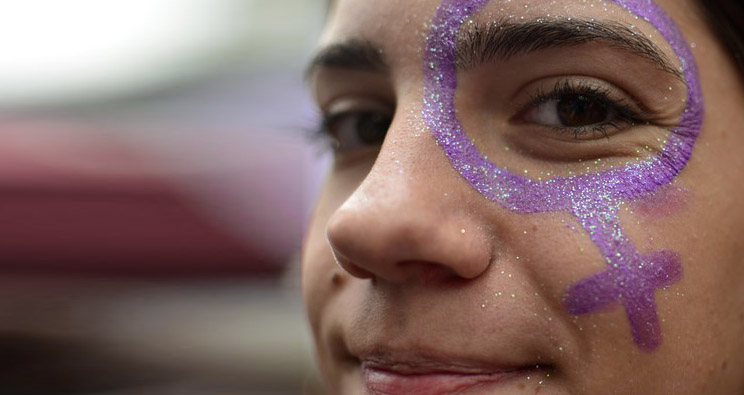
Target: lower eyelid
{"x": 591, "y": 132}
{"x": 562, "y": 146}
{"x": 595, "y": 132}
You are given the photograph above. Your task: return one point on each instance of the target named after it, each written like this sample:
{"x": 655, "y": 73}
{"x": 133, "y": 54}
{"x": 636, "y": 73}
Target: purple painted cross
{"x": 633, "y": 284}
{"x": 632, "y": 277}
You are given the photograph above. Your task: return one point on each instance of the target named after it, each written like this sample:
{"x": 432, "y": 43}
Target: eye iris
{"x": 579, "y": 110}
{"x": 372, "y": 127}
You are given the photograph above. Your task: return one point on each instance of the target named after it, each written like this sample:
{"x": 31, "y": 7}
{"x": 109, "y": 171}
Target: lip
{"x": 385, "y": 382}
{"x": 433, "y": 377}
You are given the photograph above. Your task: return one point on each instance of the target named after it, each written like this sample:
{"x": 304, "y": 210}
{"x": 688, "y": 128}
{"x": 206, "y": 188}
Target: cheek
{"x": 699, "y": 217}
{"x": 317, "y": 263}
{"x": 320, "y": 273}
{"x": 666, "y": 201}
{"x": 548, "y": 250}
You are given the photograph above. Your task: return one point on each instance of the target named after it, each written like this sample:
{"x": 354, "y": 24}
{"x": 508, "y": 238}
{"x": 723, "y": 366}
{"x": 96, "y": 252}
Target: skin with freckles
{"x": 437, "y": 284}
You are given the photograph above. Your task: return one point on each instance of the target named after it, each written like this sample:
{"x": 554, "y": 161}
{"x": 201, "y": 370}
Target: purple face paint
{"x": 632, "y": 277}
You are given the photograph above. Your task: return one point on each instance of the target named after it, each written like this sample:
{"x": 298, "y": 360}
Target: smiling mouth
{"x": 436, "y": 378}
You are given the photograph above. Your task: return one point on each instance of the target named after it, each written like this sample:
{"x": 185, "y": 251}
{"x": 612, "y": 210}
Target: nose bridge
{"x": 408, "y": 218}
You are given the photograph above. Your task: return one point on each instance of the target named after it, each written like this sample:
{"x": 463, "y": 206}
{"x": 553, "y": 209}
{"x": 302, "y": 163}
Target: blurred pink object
{"x": 79, "y": 199}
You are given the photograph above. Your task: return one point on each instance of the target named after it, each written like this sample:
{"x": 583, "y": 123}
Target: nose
{"x": 413, "y": 218}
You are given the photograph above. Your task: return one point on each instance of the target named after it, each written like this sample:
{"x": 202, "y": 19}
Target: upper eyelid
{"x": 329, "y": 86}
{"x": 356, "y": 102}
{"x": 603, "y": 90}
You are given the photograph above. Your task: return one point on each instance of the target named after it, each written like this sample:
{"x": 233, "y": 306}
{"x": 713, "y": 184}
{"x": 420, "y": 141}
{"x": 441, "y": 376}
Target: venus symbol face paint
{"x": 631, "y": 277}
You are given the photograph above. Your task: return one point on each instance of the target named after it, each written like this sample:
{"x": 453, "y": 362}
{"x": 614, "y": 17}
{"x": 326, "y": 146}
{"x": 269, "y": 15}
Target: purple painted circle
{"x": 522, "y": 194}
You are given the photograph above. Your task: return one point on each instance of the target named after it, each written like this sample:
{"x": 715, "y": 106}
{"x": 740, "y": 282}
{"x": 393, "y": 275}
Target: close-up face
{"x": 527, "y": 196}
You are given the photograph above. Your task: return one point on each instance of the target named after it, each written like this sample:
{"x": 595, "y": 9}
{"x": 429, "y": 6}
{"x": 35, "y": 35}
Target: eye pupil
{"x": 580, "y": 110}
{"x": 372, "y": 127}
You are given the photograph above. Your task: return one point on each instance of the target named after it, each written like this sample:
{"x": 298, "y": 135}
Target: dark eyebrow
{"x": 503, "y": 39}
{"x": 356, "y": 55}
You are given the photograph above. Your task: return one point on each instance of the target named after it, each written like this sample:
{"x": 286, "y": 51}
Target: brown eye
{"x": 357, "y": 129}
{"x": 572, "y": 111}
{"x": 584, "y": 115}
{"x": 580, "y": 110}
{"x": 372, "y": 127}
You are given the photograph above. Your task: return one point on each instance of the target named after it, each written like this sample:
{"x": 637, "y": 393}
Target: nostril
{"x": 347, "y": 241}
{"x": 428, "y": 273}
{"x": 350, "y": 267}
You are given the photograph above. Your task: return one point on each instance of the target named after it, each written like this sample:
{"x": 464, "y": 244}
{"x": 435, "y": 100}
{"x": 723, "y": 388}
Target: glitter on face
{"x": 632, "y": 277}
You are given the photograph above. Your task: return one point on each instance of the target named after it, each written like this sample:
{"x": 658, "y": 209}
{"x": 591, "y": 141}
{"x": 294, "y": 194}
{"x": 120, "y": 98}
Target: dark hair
{"x": 726, "y": 19}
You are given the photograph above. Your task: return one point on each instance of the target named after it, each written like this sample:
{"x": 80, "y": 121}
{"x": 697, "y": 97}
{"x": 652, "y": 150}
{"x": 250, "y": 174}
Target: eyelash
{"x": 322, "y": 134}
{"x": 317, "y": 132}
{"x": 625, "y": 113}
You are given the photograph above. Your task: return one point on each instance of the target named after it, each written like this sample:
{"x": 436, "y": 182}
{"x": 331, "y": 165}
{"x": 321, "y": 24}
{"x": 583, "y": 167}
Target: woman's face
{"x": 526, "y": 197}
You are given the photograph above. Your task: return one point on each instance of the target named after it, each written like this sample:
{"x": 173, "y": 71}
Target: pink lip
{"x": 399, "y": 379}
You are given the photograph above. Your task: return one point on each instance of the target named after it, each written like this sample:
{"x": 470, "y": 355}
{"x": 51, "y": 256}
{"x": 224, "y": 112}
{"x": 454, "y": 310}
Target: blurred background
{"x": 155, "y": 180}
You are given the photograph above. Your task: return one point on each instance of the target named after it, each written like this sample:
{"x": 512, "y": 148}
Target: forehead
{"x": 399, "y": 27}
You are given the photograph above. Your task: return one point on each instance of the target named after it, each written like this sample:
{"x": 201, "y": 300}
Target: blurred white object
{"x": 86, "y": 50}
